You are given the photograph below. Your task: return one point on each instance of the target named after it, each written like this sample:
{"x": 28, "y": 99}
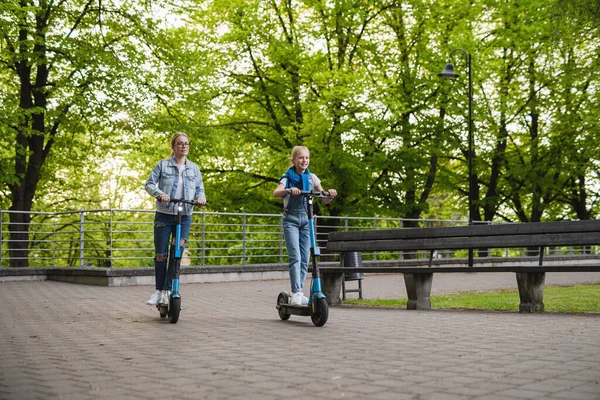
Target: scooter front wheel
{"x": 283, "y": 298}
{"x": 319, "y": 311}
{"x": 174, "y": 309}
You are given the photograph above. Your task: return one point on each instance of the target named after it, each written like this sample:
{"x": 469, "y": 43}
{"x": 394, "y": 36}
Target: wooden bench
{"x": 418, "y": 279}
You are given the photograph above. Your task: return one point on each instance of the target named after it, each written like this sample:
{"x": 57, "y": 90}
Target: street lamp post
{"x": 448, "y": 73}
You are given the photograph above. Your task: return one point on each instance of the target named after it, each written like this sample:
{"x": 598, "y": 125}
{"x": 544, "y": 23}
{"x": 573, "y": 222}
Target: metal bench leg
{"x": 531, "y": 291}
{"x": 418, "y": 288}
{"x": 344, "y": 290}
{"x": 331, "y": 286}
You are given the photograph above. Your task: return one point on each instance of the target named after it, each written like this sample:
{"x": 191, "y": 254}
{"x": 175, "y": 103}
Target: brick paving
{"x": 62, "y": 340}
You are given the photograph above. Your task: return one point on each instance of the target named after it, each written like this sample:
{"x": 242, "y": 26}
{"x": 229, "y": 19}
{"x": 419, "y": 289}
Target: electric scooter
{"x": 173, "y": 308}
{"x": 317, "y": 303}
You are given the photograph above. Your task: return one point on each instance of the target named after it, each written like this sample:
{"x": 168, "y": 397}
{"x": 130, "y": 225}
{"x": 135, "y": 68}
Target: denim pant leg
{"x": 304, "y": 249}
{"x": 163, "y": 226}
{"x": 295, "y": 229}
{"x": 164, "y": 229}
{"x": 186, "y": 223}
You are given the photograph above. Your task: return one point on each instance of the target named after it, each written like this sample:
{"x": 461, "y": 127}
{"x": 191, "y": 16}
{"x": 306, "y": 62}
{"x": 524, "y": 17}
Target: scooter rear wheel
{"x": 174, "y": 309}
{"x": 283, "y": 298}
{"x": 320, "y": 311}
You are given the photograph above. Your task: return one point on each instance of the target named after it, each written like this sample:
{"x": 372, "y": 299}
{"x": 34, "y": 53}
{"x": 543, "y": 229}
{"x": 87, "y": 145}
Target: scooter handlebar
{"x": 315, "y": 193}
{"x": 192, "y": 202}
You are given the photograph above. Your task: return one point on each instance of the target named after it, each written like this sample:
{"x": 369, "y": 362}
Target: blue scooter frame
{"x": 317, "y": 306}
{"x": 173, "y": 308}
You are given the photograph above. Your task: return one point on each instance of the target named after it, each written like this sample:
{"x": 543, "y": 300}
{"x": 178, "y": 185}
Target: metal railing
{"x": 125, "y": 238}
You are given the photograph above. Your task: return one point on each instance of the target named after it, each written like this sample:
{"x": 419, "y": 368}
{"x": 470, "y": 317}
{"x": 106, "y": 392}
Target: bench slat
{"x": 455, "y": 243}
{"x": 472, "y": 230}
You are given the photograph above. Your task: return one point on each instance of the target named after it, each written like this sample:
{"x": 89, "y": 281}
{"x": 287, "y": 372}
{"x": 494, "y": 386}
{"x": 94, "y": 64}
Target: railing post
{"x": 281, "y": 239}
{"x": 203, "y": 241}
{"x": 81, "y": 238}
{"x": 1, "y": 236}
{"x": 54, "y": 241}
{"x": 110, "y": 244}
{"x": 244, "y": 239}
{"x": 400, "y": 225}
{"x": 375, "y": 228}
{"x": 316, "y": 228}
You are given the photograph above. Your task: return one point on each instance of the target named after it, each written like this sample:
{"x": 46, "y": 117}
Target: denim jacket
{"x": 164, "y": 178}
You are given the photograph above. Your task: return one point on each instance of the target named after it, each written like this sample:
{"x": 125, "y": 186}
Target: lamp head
{"x": 448, "y": 72}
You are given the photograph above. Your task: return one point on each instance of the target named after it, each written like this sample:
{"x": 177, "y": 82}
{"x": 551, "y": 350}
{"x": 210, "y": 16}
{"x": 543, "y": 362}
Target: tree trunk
{"x": 30, "y": 151}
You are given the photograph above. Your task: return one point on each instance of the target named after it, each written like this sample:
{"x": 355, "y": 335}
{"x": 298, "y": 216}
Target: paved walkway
{"x": 62, "y": 340}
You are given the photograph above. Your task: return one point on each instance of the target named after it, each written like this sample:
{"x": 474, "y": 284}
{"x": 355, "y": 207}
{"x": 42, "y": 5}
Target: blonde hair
{"x": 297, "y": 150}
{"x": 174, "y": 140}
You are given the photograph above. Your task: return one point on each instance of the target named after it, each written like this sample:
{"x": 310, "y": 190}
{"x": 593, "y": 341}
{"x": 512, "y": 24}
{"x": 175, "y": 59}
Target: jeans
{"x": 297, "y": 241}
{"x": 164, "y": 230}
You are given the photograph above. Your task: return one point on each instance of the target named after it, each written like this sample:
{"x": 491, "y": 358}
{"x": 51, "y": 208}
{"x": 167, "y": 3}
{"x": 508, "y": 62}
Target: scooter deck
{"x": 294, "y": 309}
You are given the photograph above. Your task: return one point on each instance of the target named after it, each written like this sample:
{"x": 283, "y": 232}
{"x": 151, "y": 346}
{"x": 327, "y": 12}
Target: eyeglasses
{"x": 182, "y": 144}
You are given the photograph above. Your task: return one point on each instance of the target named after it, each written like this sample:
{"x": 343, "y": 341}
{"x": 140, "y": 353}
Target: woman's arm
{"x": 199, "y": 191}
{"x": 152, "y": 182}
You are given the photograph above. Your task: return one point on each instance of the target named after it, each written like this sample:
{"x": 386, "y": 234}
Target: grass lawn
{"x": 571, "y": 299}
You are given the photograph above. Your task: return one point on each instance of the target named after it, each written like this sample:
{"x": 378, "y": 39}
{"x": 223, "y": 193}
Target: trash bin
{"x": 353, "y": 260}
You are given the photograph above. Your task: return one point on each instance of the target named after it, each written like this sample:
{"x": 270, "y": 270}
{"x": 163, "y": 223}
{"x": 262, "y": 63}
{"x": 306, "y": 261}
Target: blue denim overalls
{"x": 297, "y": 240}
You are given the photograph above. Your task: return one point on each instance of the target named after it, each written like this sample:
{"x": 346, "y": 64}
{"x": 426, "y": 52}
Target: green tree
{"x": 67, "y": 69}
{"x": 351, "y": 80}
{"x": 550, "y": 154}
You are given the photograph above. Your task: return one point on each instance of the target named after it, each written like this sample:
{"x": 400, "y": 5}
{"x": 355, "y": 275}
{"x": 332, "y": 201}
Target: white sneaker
{"x": 296, "y": 299}
{"x": 304, "y": 300}
{"x": 164, "y": 297}
{"x": 154, "y": 298}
